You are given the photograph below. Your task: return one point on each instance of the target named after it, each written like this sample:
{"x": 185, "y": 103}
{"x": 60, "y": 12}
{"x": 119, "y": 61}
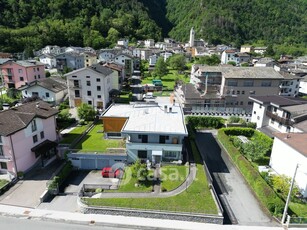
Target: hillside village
{"x": 78, "y": 109}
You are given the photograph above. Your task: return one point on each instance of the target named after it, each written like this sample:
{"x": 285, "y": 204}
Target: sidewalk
{"x": 118, "y": 221}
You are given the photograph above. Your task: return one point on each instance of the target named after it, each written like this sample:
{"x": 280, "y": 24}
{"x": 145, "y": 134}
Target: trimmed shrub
{"x": 62, "y": 175}
{"x": 204, "y": 122}
{"x": 248, "y": 132}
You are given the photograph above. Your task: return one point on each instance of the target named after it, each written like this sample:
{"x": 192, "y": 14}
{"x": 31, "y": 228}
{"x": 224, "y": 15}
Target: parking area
{"x": 67, "y": 199}
{"x": 27, "y": 192}
{"x": 78, "y": 178}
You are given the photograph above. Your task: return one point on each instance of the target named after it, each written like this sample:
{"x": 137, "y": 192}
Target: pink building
{"x": 18, "y": 73}
{"x": 27, "y": 135}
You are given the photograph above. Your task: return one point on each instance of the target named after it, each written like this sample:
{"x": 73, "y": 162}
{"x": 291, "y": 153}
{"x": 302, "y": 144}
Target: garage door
{"x": 101, "y": 163}
{"x": 88, "y": 164}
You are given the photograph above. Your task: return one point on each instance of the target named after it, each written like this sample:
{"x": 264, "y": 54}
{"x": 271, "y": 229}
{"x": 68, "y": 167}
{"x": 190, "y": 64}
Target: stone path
{"x": 155, "y": 194}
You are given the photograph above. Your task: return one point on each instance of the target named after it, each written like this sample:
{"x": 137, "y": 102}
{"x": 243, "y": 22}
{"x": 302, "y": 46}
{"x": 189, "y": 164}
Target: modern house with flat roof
{"x": 153, "y": 131}
{"x": 279, "y": 114}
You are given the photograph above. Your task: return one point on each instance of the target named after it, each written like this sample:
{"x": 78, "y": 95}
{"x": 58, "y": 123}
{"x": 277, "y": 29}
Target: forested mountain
{"x": 32, "y": 24}
{"x": 240, "y": 21}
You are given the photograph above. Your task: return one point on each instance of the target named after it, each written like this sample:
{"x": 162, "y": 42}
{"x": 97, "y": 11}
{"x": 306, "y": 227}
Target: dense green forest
{"x": 32, "y": 24}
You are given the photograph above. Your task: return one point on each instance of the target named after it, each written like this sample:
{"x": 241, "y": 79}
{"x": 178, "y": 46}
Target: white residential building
{"x": 48, "y": 59}
{"x": 51, "y": 50}
{"x": 153, "y": 60}
{"x": 51, "y": 90}
{"x": 279, "y": 114}
{"x": 290, "y": 85}
{"x": 229, "y": 56}
{"x": 127, "y": 61}
{"x": 149, "y": 43}
{"x": 90, "y": 85}
{"x": 289, "y": 151}
{"x": 123, "y": 42}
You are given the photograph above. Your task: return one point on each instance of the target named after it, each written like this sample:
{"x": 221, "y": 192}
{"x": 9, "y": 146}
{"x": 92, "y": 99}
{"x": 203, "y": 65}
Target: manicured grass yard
{"x": 74, "y": 134}
{"x": 3, "y": 182}
{"x": 94, "y": 141}
{"x": 172, "y": 176}
{"x": 197, "y": 198}
{"x": 127, "y": 184}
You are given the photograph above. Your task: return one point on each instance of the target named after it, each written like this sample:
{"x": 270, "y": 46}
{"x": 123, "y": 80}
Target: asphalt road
{"x": 13, "y": 223}
{"x": 244, "y": 207}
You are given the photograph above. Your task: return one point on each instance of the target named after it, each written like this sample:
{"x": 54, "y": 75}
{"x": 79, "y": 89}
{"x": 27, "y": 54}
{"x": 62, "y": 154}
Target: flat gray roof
{"x": 243, "y": 72}
{"x": 149, "y": 117}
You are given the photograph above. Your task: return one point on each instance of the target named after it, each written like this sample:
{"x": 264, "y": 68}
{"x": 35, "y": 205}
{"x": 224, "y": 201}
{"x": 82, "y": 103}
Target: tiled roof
{"x": 101, "y": 69}
{"x": 277, "y": 100}
{"x": 243, "y": 72}
{"x": 190, "y": 92}
{"x": 52, "y": 84}
{"x": 19, "y": 117}
{"x": 29, "y": 63}
{"x": 295, "y": 140}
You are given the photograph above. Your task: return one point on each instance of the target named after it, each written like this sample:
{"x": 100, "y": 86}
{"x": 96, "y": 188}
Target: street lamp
{"x": 289, "y": 195}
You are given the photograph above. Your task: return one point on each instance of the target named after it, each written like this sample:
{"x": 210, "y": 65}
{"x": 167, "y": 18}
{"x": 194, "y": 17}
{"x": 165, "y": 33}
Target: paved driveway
{"x": 67, "y": 200}
{"x": 27, "y": 192}
{"x": 232, "y": 186}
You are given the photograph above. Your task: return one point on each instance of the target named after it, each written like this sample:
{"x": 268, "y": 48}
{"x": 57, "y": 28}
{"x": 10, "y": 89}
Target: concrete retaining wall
{"x": 214, "y": 219}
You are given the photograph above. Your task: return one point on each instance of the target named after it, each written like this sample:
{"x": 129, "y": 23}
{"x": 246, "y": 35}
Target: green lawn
{"x": 127, "y": 184}
{"x": 3, "y": 182}
{"x": 169, "y": 79}
{"x": 73, "y": 135}
{"x": 94, "y": 141}
{"x": 197, "y": 198}
{"x": 172, "y": 176}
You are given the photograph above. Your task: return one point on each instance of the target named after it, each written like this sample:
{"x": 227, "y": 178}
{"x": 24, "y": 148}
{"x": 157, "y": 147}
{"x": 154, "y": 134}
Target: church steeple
{"x": 192, "y": 36}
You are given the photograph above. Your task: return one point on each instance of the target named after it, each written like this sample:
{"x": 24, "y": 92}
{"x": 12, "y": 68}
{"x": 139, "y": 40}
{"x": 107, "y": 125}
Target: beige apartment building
{"x": 227, "y": 89}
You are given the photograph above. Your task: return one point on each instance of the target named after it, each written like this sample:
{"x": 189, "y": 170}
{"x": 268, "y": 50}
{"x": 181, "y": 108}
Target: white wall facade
{"x": 289, "y": 87}
{"x": 284, "y": 160}
{"x": 99, "y": 89}
{"x": 258, "y": 115}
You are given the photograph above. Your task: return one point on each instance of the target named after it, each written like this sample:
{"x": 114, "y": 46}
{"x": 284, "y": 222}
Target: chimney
{"x": 37, "y": 105}
{"x": 165, "y": 108}
{"x": 170, "y": 109}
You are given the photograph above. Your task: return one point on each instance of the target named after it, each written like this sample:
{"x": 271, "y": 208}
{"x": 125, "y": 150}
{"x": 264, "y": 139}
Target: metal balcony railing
{"x": 282, "y": 120}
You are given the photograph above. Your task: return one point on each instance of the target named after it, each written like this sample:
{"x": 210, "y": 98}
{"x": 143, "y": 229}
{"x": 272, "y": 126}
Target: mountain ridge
{"x": 32, "y": 24}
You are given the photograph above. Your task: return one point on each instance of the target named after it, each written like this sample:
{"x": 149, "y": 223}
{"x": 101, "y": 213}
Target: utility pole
{"x": 289, "y": 196}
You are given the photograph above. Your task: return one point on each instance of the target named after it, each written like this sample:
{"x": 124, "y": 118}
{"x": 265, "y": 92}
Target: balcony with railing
{"x": 282, "y": 120}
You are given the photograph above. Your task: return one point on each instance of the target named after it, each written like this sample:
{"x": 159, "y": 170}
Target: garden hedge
{"x": 205, "y": 122}
{"x": 61, "y": 176}
{"x": 264, "y": 192}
